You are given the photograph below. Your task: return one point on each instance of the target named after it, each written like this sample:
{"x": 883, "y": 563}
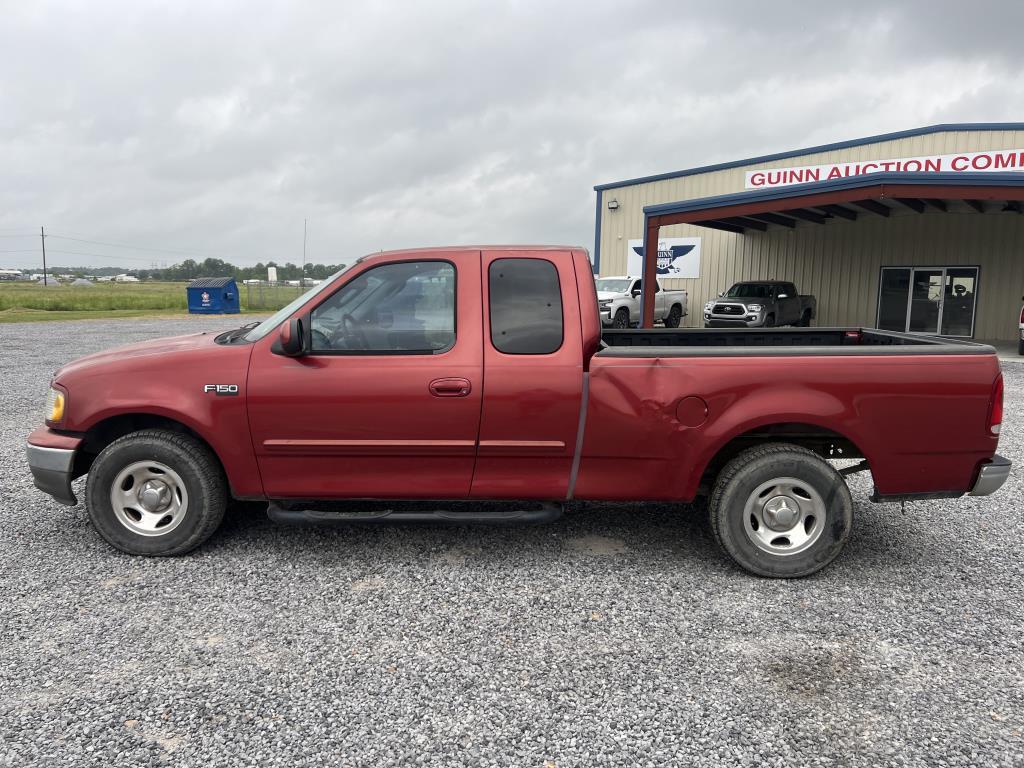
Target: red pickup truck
{"x": 480, "y": 373}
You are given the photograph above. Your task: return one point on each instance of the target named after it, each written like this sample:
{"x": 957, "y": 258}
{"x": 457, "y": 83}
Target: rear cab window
{"x": 525, "y": 306}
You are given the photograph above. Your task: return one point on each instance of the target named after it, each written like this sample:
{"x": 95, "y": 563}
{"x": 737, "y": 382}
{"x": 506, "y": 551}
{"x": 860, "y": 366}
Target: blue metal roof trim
{"x": 941, "y": 128}
{"x": 852, "y": 182}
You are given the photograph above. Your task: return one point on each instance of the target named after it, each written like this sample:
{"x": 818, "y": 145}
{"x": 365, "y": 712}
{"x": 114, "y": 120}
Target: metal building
{"x": 920, "y": 230}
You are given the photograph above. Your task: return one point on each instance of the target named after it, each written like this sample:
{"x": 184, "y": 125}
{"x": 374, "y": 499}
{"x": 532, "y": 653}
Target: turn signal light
{"x": 995, "y": 409}
{"x": 55, "y": 406}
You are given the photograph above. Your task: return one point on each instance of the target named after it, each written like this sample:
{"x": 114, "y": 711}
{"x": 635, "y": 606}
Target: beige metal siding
{"x": 839, "y": 262}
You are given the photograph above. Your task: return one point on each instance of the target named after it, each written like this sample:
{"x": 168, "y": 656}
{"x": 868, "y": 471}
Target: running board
{"x": 455, "y": 512}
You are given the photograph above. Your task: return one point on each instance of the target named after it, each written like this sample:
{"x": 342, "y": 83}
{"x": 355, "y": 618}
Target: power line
{"x": 98, "y": 255}
{"x": 136, "y": 247}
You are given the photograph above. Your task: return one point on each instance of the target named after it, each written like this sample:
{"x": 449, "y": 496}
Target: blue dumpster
{"x": 213, "y": 296}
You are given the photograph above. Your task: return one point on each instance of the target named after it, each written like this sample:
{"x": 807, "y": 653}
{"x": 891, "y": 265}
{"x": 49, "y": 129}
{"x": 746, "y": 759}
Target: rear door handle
{"x": 450, "y": 387}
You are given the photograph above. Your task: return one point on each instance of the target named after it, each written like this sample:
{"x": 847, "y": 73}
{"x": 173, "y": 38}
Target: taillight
{"x": 995, "y": 407}
{"x": 1022, "y": 315}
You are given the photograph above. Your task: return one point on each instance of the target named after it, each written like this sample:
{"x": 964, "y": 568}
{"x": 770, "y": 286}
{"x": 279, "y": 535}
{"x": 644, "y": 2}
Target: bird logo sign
{"x": 205, "y": 296}
{"x": 677, "y": 257}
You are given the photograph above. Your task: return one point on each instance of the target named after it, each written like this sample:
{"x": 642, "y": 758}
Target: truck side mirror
{"x": 636, "y": 292}
{"x": 290, "y": 339}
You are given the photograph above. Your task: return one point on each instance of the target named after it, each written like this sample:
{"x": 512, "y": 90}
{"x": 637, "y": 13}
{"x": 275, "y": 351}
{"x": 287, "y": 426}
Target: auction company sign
{"x": 986, "y": 161}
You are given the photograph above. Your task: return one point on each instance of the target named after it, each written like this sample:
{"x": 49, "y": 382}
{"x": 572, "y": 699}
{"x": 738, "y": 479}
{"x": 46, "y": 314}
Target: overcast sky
{"x": 214, "y": 128}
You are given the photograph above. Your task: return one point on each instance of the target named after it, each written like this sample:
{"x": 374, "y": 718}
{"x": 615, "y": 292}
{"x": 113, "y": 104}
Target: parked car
{"x": 366, "y": 387}
{"x": 618, "y": 300}
{"x": 1020, "y": 344}
{"x": 760, "y": 303}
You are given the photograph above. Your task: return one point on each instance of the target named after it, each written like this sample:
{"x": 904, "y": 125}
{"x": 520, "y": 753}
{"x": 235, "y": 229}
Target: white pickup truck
{"x": 618, "y": 302}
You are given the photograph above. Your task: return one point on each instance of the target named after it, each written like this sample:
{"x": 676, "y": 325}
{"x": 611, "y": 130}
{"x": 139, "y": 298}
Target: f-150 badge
{"x": 221, "y": 390}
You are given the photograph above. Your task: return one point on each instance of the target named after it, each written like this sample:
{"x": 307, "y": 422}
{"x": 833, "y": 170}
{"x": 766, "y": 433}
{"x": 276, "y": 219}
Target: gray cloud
{"x": 220, "y": 126}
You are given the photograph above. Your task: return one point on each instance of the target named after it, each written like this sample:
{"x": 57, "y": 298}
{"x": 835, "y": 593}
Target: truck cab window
{"x": 525, "y": 306}
{"x": 407, "y": 307}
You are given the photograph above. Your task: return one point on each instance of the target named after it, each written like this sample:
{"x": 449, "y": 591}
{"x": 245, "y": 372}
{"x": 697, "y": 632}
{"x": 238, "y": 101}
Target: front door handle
{"x": 450, "y": 387}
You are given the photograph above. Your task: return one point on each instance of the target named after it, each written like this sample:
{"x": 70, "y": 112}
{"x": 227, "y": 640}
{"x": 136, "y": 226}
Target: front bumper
{"x": 991, "y": 476}
{"x": 711, "y": 321}
{"x": 53, "y": 465}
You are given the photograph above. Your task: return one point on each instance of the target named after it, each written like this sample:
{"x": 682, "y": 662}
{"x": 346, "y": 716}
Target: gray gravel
{"x": 617, "y": 636}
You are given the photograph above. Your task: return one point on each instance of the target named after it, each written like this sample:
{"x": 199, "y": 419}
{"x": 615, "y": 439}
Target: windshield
{"x": 613, "y": 285}
{"x": 282, "y": 314}
{"x": 749, "y": 290}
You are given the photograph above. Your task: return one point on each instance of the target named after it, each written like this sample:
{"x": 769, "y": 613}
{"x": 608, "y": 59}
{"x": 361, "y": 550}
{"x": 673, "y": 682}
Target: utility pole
{"x": 42, "y": 239}
{"x": 302, "y": 277}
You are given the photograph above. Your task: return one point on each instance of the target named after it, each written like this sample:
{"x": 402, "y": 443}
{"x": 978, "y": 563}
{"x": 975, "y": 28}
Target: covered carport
{"x": 849, "y": 200}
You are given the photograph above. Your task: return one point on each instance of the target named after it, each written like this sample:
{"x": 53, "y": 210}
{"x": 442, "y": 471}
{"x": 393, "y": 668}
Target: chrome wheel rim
{"x": 784, "y": 516}
{"x": 149, "y": 498}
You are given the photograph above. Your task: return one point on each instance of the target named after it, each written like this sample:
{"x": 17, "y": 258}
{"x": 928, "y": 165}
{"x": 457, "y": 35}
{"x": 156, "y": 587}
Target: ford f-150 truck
{"x": 760, "y": 304}
{"x": 618, "y": 302}
{"x": 472, "y": 374}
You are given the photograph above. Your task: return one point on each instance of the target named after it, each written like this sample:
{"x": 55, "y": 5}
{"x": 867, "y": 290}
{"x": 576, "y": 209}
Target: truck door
{"x": 387, "y": 401}
{"x": 533, "y": 375}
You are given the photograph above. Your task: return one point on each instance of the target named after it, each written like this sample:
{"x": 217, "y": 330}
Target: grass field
{"x": 28, "y": 302}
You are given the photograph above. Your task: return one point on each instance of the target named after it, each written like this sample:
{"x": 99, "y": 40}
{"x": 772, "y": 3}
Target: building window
{"x": 934, "y": 300}
{"x": 525, "y": 306}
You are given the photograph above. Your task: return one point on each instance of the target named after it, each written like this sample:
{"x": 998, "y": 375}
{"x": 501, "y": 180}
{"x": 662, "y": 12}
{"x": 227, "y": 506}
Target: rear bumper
{"x": 991, "y": 476}
{"x": 53, "y": 465}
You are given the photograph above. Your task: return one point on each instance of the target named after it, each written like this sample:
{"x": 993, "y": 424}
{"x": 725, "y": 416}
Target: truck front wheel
{"x": 156, "y": 492}
{"x": 780, "y": 511}
{"x": 621, "y": 319}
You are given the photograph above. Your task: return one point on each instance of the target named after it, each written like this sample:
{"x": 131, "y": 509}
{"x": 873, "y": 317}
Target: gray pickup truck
{"x": 760, "y": 304}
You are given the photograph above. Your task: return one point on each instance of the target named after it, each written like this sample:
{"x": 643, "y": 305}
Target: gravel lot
{"x": 617, "y": 636}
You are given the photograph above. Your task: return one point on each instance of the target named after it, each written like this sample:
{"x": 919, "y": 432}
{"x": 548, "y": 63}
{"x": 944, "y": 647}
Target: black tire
{"x": 621, "y": 319}
{"x": 805, "y": 319}
{"x": 204, "y": 490}
{"x": 1020, "y": 347}
{"x": 675, "y": 316}
{"x": 735, "y": 504}
{"x": 769, "y": 321}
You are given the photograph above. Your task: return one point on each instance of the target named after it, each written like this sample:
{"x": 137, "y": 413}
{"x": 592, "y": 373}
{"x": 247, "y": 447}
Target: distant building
{"x": 11, "y": 274}
{"x": 919, "y": 230}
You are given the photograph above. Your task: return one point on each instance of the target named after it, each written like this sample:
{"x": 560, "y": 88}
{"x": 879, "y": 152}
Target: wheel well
{"x": 824, "y": 442}
{"x": 103, "y": 433}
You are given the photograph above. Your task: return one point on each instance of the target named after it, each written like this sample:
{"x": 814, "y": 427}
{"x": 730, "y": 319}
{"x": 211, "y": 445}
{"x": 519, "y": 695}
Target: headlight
{"x": 754, "y": 307}
{"x": 604, "y": 303}
{"x": 55, "y": 406}
{"x": 708, "y": 306}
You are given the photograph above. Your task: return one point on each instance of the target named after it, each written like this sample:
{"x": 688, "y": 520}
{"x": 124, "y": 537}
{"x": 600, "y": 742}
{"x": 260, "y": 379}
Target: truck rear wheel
{"x": 621, "y": 319}
{"x": 675, "y": 315}
{"x": 156, "y": 492}
{"x": 780, "y": 511}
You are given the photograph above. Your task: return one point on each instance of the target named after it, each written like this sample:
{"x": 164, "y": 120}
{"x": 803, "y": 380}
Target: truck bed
{"x": 760, "y": 342}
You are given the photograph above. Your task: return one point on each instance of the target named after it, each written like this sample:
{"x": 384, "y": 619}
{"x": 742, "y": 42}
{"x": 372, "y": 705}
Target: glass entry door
{"x": 925, "y": 301}
{"x": 932, "y": 300}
